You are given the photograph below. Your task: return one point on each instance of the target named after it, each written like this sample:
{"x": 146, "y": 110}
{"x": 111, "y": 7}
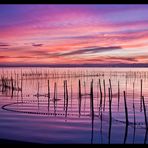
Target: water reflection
{"x": 84, "y": 97}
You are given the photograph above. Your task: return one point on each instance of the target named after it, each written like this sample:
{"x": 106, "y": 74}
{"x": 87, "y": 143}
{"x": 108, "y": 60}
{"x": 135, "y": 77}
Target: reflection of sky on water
{"x": 38, "y": 120}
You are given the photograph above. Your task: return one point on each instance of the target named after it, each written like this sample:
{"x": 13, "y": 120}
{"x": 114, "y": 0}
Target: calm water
{"x": 32, "y": 115}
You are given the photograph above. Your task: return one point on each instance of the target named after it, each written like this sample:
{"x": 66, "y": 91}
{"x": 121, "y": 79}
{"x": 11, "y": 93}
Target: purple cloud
{"x": 37, "y": 45}
{"x": 89, "y": 50}
{"x": 4, "y": 44}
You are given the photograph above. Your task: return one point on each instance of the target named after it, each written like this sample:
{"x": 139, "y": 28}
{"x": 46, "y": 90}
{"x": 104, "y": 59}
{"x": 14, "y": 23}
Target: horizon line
{"x": 77, "y": 65}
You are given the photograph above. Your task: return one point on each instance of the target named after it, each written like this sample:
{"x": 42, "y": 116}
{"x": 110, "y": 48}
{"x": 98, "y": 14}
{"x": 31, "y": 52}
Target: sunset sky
{"x": 73, "y": 34}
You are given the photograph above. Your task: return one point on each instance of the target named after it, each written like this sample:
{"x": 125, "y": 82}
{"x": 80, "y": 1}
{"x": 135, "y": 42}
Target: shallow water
{"x": 29, "y": 115}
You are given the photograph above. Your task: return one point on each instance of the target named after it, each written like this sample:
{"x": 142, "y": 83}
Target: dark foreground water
{"x": 34, "y": 115}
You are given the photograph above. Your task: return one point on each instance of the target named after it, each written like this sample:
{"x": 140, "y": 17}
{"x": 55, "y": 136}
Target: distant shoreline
{"x": 81, "y": 66}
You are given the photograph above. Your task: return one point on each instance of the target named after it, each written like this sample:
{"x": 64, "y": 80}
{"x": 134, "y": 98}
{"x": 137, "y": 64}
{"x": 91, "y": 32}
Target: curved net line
{"x": 101, "y": 115}
{"x": 6, "y": 107}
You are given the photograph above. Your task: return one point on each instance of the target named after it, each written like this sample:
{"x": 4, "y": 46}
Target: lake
{"x": 74, "y": 105}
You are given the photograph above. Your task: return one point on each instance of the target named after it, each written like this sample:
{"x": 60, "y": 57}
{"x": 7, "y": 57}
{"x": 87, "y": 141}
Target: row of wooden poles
{"x": 40, "y": 72}
{"x": 66, "y": 98}
{"x": 55, "y": 74}
{"x": 10, "y": 84}
{"x": 68, "y": 74}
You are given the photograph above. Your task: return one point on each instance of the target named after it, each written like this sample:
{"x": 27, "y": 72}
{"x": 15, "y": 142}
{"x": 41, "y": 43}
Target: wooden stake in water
{"x": 21, "y": 81}
{"x": 134, "y": 103}
{"x": 141, "y": 97}
{"x": 126, "y": 86}
{"x": 100, "y": 93}
{"x": 66, "y": 97}
{"x": 71, "y": 94}
{"x": 118, "y": 95}
{"x": 64, "y": 94}
{"x": 97, "y": 93}
{"x": 17, "y": 81}
{"x": 55, "y": 91}
{"x": 126, "y": 111}
{"x": 48, "y": 95}
{"x": 80, "y": 96}
{"x": 104, "y": 94}
{"x": 71, "y": 90}
{"x": 146, "y": 124}
{"x": 133, "y": 91}
{"x": 110, "y": 89}
{"x": 110, "y": 101}
{"x": 55, "y": 97}
{"x": 141, "y": 89}
{"x": 38, "y": 94}
{"x": 79, "y": 89}
{"x": 110, "y": 116}
{"x": 134, "y": 113}
{"x": 48, "y": 89}
{"x": 91, "y": 100}
{"x": 12, "y": 87}
{"x": 126, "y": 133}
{"x": 38, "y": 88}
{"x": 92, "y": 131}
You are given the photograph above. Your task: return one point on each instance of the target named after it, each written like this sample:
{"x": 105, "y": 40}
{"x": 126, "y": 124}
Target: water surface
{"x": 32, "y": 115}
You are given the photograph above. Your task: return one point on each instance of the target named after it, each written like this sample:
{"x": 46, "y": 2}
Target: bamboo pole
{"x": 55, "y": 91}
{"x": 66, "y": 92}
{"x": 91, "y": 100}
{"x": 79, "y": 88}
{"x": 141, "y": 96}
{"x": 110, "y": 109}
{"x": 71, "y": 94}
{"x": 21, "y": 82}
{"x": 80, "y": 95}
{"x": 118, "y": 95}
{"x": 100, "y": 93}
{"x": 48, "y": 95}
{"x": 48, "y": 89}
{"x": 64, "y": 95}
{"x": 126, "y": 110}
{"x": 38, "y": 94}
{"x": 134, "y": 105}
{"x": 110, "y": 115}
{"x": 134, "y": 113}
{"x": 104, "y": 94}
{"x": 141, "y": 89}
{"x": 66, "y": 98}
{"x": 55, "y": 97}
{"x": 126, "y": 133}
{"x": 146, "y": 124}
{"x": 110, "y": 89}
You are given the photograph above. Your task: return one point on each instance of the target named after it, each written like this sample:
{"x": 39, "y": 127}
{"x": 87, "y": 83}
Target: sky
{"x": 73, "y": 34}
